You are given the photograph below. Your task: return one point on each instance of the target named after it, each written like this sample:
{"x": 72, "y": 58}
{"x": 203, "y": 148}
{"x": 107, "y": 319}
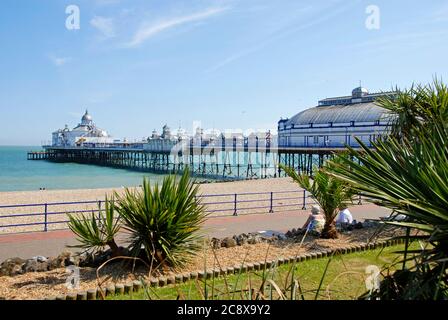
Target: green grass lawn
{"x": 344, "y": 279}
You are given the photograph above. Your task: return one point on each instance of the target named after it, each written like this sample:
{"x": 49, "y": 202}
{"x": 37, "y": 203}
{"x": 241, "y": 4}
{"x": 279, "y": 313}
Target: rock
{"x": 293, "y": 233}
{"x": 269, "y": 239}
{"x": 11, "y": 267}
{"x": 52, "y": 263}
{"x": 358, "y": 225}
{"x": 40, "y": 258}
{"x": 63, "y": 260}
{"x": 241, "y": 239}
{"x": 85, "y": 259}
{"x": 228, "y": 242}
{"x": 215, "y": 243}
{"x": 33, "y": 265}
{"x": 278, "y": 236}
{"x": 254, "y": 239}
{"x": 73, "y": 260}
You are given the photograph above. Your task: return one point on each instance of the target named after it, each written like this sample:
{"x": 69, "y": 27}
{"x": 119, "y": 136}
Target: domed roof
{"x": 359, "y": 92}
{"x": 359, "y": 112}
{"x": 86, "y": 118}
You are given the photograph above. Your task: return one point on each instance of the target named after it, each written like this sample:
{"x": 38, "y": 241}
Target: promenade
{"x": 52, "y": 243}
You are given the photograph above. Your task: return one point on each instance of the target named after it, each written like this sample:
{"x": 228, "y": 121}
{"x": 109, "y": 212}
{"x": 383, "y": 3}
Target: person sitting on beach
{"x": 344, "y": 216}
{"x": 315, "y": 222}
{"x": 344, "y": 220}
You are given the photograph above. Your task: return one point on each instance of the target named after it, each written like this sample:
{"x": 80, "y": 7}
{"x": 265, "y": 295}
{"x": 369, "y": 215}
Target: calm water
{"x": 19, "y": 174}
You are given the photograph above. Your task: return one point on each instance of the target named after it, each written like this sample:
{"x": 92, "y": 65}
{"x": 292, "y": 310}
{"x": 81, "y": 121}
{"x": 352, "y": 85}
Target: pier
{"x": 229, "y": 155}
{"x": 37, "y": 155}
{"x": 206, "y": 161}
{"x": 220, "y": 162}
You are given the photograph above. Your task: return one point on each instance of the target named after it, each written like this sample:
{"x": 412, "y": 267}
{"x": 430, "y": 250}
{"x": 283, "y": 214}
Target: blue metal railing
{"x": 217, "y": 205}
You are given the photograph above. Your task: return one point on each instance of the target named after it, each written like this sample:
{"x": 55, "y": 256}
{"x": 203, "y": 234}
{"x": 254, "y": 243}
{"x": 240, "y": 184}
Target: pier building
{"x": 335, "y": 122}
{"x": 310, "y": 137}
{"x": 85, "y": 132}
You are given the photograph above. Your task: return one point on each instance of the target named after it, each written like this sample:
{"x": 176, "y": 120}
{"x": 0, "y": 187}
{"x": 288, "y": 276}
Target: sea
{"x": 19, "y": 174}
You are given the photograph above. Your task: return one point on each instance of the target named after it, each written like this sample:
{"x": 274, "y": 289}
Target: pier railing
{"x": 22, "y": 218}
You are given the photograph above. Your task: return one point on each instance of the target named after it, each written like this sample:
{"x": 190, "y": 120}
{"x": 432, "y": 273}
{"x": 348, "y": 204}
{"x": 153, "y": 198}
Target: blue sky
{"x": 231, "y": 64}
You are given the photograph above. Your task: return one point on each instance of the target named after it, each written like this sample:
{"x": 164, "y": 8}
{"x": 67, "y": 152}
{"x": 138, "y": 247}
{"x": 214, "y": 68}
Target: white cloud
{"x": 104, "y": 25}
{"x": 147, "y": 31}
{"x": 60, "y": 61}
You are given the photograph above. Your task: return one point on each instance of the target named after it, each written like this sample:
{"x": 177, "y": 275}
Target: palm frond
{"x": 165, "y": 220}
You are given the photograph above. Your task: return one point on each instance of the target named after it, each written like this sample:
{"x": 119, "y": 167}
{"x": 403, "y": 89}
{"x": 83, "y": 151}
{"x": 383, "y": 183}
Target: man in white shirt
{"x": 344, "y": 217}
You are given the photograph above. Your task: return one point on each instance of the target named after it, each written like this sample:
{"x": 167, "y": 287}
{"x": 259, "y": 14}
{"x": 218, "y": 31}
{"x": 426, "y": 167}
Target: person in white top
{"x": 344, "y": 216}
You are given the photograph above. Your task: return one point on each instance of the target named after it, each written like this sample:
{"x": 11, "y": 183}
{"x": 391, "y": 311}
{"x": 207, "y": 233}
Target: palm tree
{"x": 420, "y": 105}
{"x": 408, "y": 173}
{"x": 163, "y": 221}
{"x": 329, "y": 192}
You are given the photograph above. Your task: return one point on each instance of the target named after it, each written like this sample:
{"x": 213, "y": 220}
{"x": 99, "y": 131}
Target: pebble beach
{"x": 220, "y": 197}
{"x": 42, "y": 196}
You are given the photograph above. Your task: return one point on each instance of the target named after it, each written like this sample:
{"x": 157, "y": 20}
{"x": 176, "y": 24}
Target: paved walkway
{"x": 51, "y": 243}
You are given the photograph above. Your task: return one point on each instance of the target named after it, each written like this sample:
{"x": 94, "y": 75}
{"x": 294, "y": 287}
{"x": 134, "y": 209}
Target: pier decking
{"x": 236, "y": 162}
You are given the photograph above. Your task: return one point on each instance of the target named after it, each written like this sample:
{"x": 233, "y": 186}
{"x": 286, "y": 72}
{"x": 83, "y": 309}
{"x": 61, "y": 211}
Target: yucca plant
{"x": 414, "y": 108}
{"x": 95, "y": 232}
{"x": 163, "y": 221}
{"x": 330, "y": 193}
{"x": 408, "y": 173}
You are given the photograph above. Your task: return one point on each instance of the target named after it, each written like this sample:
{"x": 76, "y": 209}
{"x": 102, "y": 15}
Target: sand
{"x": 290, "y": 196}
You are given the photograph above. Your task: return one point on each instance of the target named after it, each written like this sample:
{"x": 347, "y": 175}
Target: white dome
{"x": 86, "y": 119}
{"x": 359, "y": 92}
{"x": 360, "y": 112}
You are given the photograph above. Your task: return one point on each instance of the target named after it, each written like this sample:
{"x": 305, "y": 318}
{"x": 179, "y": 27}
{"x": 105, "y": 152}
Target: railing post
{"x": 271, "y": 209}
{"x": 304, "y": 200}
{"x": 46, "y": 217}
{"x": 234, "y": 207}
{"x": 99, "y": 210}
